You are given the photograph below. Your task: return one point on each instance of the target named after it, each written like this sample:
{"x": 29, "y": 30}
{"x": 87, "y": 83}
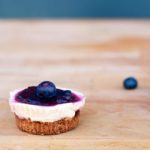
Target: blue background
{"x": 74, "y": 8}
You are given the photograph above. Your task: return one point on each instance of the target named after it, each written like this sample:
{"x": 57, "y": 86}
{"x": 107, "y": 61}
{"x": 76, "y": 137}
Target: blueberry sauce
{"x": 29, "y": 96}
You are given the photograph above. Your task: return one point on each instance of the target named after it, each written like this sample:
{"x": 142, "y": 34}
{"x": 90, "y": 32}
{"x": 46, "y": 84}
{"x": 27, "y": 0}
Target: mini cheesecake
{"x": 45, "y": 109}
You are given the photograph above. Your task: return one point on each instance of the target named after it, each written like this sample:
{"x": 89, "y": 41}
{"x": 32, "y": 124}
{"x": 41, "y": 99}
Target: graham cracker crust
{"x": 48, "y": 128}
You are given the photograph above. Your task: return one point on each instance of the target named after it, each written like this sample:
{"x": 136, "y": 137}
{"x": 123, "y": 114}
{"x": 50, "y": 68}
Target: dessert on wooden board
{"x": 46, "y": 109}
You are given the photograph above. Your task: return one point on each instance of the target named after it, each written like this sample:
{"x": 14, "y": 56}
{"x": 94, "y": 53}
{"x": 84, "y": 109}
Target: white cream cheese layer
{"x": 45, "y": 113}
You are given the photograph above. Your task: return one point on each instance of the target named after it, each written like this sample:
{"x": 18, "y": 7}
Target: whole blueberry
{"x": 130, "y": 83}
{"x": 67, "y": 95}
{"x": 67, "y": 92}
{"x": 46, "y": 89}
{"x": 59, "y": 92}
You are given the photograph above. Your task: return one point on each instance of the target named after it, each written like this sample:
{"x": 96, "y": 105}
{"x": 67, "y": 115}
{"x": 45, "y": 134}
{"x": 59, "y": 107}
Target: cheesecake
{"x": 46, "y": 109}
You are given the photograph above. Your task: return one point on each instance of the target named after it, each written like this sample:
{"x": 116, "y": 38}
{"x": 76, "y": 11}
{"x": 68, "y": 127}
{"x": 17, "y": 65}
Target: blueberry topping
{"x": 59, "y": 92}
{"x": 61, "y": 101}
{"x": 67, "y": 95}
{"x": 34, "y": 102}
{"x": 68, "y": 92}
{"x": 130, "y": 83}
{"x": 46, "y": 89}
{"x": 45, "y": 94}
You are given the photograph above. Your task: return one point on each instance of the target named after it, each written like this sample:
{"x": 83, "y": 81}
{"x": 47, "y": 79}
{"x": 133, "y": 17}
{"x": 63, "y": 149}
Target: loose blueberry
{"x": 46, "y": 89}
{"x": 130, "y": 83}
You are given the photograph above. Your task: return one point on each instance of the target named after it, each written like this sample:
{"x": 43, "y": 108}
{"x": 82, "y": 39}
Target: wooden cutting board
{"x": 93, "y": 57}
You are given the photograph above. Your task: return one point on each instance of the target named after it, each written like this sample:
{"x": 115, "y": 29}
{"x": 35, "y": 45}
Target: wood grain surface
{"x": 92, "y": 56}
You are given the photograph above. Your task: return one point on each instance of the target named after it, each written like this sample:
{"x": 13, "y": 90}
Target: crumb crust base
{"x": 48, "y": 128}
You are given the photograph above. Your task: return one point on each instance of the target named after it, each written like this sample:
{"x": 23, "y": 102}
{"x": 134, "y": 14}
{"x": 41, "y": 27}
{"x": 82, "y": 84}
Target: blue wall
{"x": 74, "y": 8}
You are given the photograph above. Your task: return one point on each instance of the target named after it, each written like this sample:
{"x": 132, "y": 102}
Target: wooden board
{"x": 90, "y": 56}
